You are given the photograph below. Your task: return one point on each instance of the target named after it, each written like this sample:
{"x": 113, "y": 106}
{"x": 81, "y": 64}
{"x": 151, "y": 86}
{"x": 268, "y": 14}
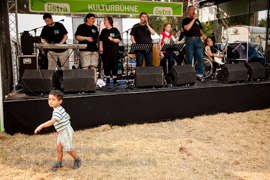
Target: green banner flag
{"x": 107, "y": 7}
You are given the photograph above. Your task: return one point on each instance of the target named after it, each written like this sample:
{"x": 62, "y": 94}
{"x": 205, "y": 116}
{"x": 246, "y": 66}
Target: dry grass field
{"x": 222, "y": 146}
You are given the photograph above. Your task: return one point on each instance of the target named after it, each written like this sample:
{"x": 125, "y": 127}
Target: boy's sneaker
{"x": 56, "y": 166}
{"x": 77, "y": 164}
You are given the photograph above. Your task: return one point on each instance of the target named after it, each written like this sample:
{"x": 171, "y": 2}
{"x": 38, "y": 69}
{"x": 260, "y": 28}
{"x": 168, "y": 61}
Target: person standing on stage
{"x": 165, "y": 38}
{"x": 87, "y": 33}
{"x": 141, "y": 34}
{"x": 109, "y": 44}
{"x": 55, "y": 33}
{"x": 192, "y": 29}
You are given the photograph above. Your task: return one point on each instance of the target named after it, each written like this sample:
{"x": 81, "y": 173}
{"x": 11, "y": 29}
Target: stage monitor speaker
{"x": 79, "y": 80}
{"x": 39, "y": 81}
{"x": 179, "y": 75}
{"x": 149, "y": 76}
{"x": 26, "y": 62}
{"x": 232, "y": 73}
{"x": 27, "y": 43}
{"x": 255, "y": 70}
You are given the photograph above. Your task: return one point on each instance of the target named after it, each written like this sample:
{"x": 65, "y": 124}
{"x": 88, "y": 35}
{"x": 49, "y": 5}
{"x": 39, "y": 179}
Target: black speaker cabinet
{"x": 233, "y": 72}
{"x": 27, "y": 43}
{"x": 179, "y": 75}
{"x": 26, "y": 62}
{"x": 149, "y": 76}
{"x": 255, "y": 70}
{"x": 79, "y": 80}
{"x": 39, "y": 81}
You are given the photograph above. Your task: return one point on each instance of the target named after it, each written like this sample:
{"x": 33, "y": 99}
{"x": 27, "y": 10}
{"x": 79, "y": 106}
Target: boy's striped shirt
{"x": 61, "y": 117}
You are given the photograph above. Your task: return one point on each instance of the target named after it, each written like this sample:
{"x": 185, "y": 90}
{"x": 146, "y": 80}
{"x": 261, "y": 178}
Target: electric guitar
{"x": 218, "y": 59}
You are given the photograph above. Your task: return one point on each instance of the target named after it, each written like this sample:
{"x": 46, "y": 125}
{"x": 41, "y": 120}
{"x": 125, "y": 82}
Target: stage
{"x": 122, "y": 105}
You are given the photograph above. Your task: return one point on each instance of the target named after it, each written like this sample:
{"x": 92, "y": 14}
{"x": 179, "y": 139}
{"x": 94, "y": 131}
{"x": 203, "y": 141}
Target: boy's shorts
{"x": 65, "y": 137}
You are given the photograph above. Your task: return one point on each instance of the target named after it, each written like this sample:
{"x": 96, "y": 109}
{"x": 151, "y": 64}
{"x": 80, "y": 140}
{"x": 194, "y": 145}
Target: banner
{"x": 107, "y": 7}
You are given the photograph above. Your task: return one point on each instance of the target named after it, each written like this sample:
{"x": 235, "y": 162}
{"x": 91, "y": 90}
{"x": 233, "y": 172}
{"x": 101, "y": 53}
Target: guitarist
{"x": 211, "y": 50}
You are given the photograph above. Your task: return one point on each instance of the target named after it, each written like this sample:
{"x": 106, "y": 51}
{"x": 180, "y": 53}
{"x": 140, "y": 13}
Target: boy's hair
{"x": 47, "y": 15}
{"x": 59, "y": 95}
{"x": 142, "y": 13}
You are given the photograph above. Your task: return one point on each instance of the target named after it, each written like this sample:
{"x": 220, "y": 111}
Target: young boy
{"x": 60, "y": 120}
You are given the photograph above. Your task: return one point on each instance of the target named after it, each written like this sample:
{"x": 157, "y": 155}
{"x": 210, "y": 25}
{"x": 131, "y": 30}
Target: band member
{"x": 109, "y": 44}
{"x": 87, "y": 33}
{"x": 192, "y": 29}
{"x": 165, "y": 38}
{"x": 55, "y": 33}
{"x": 211, "y": 50}
{"x": 141, "y": 34}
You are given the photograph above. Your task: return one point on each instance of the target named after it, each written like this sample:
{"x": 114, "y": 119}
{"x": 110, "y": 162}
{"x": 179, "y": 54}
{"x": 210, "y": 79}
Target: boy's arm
{"x": 46, "y": 124}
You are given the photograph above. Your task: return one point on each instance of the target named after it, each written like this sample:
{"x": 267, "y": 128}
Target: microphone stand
{"x": 99, "y": 54}
{"x": 129, "y": 84}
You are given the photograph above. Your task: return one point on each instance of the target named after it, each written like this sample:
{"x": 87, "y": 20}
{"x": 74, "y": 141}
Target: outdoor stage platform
{"x": 121, "y": 105}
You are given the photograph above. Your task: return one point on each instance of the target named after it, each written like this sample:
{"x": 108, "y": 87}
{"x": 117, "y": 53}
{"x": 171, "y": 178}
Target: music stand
{"x": 170, "y": 48}
{"x": 140, "y": 49}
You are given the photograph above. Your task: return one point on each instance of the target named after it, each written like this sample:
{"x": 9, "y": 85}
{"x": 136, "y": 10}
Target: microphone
{"x": 175, "y": 29}
{"x": 145, "y": 21}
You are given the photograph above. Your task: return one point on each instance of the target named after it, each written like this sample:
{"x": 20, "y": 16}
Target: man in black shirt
{"x": 192, "y": 30}
{"x": 87, "y": 33}
{"x": 55, "y": 33}
{"x": 141, "y": 34}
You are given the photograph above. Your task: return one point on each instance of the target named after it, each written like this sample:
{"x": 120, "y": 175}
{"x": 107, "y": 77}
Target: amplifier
{"x": 26, "y": 62}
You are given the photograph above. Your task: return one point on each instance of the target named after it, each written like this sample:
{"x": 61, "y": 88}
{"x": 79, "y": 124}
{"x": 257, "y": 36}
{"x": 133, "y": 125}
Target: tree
{"x": 262, "y": 23}
{"x": 207, "y": 28}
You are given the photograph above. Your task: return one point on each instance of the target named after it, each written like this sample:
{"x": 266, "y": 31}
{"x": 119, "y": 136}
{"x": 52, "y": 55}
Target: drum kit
{"x": 128, "y": 61}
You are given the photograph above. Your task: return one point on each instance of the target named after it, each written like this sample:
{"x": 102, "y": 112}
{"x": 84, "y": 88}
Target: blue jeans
{"x": 167, "y": 55}
{"x": 148, "y": 59}
{"x": 195, "y": 48}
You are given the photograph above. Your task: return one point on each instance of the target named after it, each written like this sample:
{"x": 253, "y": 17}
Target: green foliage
{"x": 23, "y": 6}
{"x": 262, "y": 23}
{"x": 207, "y": 28}
{"x": 238, "y": 20}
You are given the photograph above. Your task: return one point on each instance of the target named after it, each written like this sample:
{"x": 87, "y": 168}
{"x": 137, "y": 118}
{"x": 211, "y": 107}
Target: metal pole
{"x": 267, "y": 33}
{"x": 217, "y": 23}
{"x": 16, "y": 19}
{"x": 1, "y": 102}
